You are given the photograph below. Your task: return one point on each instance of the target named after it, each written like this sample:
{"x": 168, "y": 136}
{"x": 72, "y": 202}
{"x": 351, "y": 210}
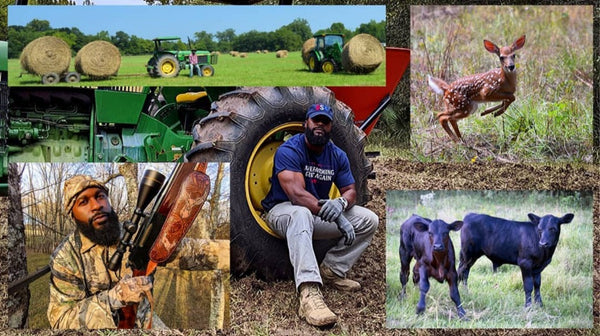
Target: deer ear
{"x": 491, "y": 47}
{"x": 519, "y": 43}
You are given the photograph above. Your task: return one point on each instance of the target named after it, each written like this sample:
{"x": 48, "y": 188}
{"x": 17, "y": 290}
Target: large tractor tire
{"x": 245, "y": 127}
{"x": 167, "y": 66}
{"x": 207, "y": 70}
{"x": 313, "y": 64}
{"x": 328, "y": 66}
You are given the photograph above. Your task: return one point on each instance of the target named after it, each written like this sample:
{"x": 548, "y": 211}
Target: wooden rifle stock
{"x": 172, "y": 216}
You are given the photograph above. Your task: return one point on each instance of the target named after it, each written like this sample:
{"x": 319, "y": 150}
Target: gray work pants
{"x": 299, "y": 226}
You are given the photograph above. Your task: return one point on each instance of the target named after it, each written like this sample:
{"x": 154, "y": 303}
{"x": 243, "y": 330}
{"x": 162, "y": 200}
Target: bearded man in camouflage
{"x": 84, "y": 293}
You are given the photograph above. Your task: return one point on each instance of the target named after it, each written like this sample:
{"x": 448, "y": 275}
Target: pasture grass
{"x": 551, "y": 118}
{"x": 255, "y": 70}
{"x": 496, "y": 300}
{"x": 40, "y": 291}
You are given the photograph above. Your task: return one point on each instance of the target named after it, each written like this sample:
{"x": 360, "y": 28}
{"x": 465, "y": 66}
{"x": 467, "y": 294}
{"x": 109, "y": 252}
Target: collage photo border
{"x": 399, "y": 35}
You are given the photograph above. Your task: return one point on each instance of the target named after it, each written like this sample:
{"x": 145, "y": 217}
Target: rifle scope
{"x": 151, "y": 183}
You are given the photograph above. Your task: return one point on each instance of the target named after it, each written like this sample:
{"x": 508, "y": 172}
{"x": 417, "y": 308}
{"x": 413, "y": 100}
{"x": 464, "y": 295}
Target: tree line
{"x": 289, "y": 37}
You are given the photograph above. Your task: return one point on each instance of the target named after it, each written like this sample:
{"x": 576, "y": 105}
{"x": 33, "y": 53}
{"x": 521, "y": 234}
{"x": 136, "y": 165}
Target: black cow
{"x": 429, "y": 243}
{"x": 530, "y": 245}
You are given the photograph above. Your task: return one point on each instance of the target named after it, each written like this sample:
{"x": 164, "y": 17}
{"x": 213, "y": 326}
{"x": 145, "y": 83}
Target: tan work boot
{"x": 312, "y": 307}
{"x": 336, "y": 281}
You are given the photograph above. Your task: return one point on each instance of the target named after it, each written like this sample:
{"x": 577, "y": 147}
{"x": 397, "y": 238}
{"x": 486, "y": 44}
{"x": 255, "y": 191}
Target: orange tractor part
{"x": 367, "y": 102}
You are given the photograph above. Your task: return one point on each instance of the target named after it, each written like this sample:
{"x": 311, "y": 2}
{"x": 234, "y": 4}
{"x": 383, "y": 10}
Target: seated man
{"x": 193, "y": 58}
{"x": 298, "y": 208}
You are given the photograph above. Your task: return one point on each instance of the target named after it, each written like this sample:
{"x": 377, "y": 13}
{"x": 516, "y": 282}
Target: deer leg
{"x": 444, "y": 123}
{"x": 455, "y": 127}
{"x": 505, "y": 105}
{"x": 493, "y": 109}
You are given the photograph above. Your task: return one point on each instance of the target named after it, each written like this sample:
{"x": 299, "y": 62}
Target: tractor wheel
{"x": 72, "y": 77}
{"x": 313, "y": 64}
{"x": 50, "y": 78}
{"x": 167, "y": 66}
{"x": 207, "y": 70}
{"x": 328, "y": 66}
{"x": 245, "y": 128}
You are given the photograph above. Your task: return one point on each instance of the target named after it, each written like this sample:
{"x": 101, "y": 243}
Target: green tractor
{"x": 168, "y": 63}
{"x": 327, "y": 54}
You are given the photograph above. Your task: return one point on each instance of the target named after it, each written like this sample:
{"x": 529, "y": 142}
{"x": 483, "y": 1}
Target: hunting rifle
{"x": 178, "y": 203}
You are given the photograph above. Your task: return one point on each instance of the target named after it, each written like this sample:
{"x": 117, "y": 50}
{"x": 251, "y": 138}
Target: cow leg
{"x": 416, "y": 273}
{"x": 405, "y": 258}
{"x": 527, "y": 284}
{"x": 466, "y": 261}
{"x": 451, "y": 277}
{"x": 423, "y": 288}
{"x": 537, "y": 282}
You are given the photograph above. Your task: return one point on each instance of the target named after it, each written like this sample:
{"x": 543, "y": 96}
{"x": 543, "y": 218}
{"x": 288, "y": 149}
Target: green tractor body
{"x": 168, "y": 60}
{"x": 327, "y": 54}
{"x": 101, "y": 125}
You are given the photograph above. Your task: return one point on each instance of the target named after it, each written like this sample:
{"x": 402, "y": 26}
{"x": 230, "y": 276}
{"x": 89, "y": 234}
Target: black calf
{"x": 429, "y": 243}
{"x": 530, "y": 245}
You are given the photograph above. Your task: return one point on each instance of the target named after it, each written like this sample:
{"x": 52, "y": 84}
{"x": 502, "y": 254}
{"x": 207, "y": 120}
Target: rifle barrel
{"x": 17, "y": 284}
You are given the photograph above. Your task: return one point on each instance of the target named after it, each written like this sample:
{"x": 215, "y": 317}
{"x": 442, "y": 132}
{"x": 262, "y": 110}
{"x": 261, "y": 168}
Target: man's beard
{"x": 106, "y": 236}
{"x": 317, "y": 140}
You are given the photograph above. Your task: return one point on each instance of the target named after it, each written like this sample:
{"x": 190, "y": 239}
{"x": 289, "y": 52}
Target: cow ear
{"x": 455, "y": 226}
{"x": 533, "y": 218}
{"x": 421, "y": 226}
{"x": 566, "y": 218}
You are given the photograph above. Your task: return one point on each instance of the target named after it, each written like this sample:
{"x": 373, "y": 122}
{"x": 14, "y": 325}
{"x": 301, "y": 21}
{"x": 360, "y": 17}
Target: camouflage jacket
{"x": 80, "y": 282}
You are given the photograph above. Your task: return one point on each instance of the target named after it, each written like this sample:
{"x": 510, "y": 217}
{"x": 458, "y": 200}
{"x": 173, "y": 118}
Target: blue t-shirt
{"x": 320, "y": 170}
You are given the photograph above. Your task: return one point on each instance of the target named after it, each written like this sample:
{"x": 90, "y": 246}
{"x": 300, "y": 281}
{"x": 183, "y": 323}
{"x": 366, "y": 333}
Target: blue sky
{"x": 152, "y": 21}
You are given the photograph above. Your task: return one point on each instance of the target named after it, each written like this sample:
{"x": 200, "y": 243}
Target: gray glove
{"x": 346, "y": 229}
{"x": 331, "y": 209}
{"x": 129, "y": 290}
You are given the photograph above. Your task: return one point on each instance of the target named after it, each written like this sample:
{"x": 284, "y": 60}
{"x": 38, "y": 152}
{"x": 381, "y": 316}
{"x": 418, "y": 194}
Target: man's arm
{"x": 349, "y": 193}
{"x": 69, "y": 308}
{"x": 293, "y": 185}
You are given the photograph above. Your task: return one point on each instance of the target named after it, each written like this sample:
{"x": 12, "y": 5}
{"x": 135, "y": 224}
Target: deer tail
{"x": 437, "y": 85}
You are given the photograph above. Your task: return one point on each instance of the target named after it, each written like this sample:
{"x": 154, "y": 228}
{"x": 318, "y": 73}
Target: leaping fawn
{"x": 462, "y": 96}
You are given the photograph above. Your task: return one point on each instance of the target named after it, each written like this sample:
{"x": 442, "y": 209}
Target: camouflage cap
{"x": 75, "y": 185}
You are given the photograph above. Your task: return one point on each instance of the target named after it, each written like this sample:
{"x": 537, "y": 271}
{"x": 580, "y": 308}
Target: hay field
{"x": 255, "y": 69}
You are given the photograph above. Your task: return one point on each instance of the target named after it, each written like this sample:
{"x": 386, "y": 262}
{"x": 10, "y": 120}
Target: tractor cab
{"x": 327, "y": 54}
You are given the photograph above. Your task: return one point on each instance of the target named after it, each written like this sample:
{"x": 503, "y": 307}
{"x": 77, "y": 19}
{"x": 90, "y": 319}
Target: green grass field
{"x": 255, "y": 70}
{"x": 551, "y": 118}
{"x": 496, "y": 300}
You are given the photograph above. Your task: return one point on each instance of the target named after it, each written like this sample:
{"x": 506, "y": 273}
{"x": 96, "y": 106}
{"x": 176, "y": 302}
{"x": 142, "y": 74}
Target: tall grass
{"x": 496, "y": 300}
{"x": 551, "y": 118}
{"x": 256, "y": 69}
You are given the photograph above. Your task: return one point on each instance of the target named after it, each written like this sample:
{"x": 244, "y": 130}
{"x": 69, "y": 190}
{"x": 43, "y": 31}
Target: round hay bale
{"x": 98, "y": 59}
{"x": 46, "y": 54}
{"x": 362, "y": 54}
{"x": 281, "y": 53}
{"x": 234, "y": 53}
{"x": 259, "y": 51}
{"x": 265, "y": 51}
{"x": 22, "y": 58}
{"x": 243, "y": 55}
{"x": 307, "y": 47}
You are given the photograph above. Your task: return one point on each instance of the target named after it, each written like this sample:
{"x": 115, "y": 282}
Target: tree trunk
{"x": 130, "y": 173}
{"x": 13, "y": 262}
